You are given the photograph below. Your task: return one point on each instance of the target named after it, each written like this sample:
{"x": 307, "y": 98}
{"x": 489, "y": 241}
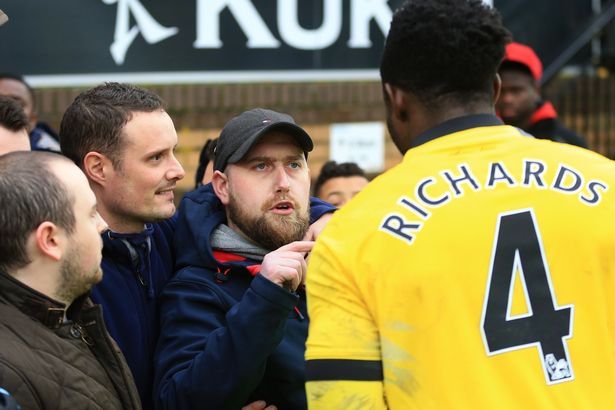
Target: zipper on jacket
{"x": 299, "y": 315}
{"x": 140, "y": 278}
{"x": 135, "y": 259}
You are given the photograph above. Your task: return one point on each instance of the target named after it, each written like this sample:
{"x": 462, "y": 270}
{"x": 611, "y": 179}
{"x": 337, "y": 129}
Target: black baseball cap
{"x": 241, "y": 133}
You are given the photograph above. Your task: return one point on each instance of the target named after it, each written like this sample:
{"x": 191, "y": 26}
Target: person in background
{"x": 338, "y": 183}
{"x": 233, "y": 322}
{"x": 13, "y": 126}
{"x": 54, "y": 348}
{"x": 205, "y": 169}
{"x": 476, "y": 274}
{"x": 521, "y": 104}
{"x": 42, "y": 136}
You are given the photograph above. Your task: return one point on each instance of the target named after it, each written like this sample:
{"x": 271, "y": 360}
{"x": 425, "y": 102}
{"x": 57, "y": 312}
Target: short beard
{"x": 269, "y": 230}
{"x": 73, "y": 281}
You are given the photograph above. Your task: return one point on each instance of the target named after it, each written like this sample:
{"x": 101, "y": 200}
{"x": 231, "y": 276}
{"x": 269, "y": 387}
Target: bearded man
{"x": 233, "y": 328}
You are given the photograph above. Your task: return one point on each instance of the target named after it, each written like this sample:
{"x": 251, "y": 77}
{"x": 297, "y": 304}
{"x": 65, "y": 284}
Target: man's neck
{"x": 42, "y": 278}
{"x": 432, "y": 119}
{"x": 126, "y": 228}
{"x": 120, "y": 224}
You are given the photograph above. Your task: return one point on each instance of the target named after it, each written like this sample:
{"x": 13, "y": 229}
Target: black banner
{"x": 73, "y": 42}
{"x": 46, "y": 37}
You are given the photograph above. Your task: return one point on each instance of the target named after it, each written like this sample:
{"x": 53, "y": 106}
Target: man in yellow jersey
{"x": 478, "y": 273}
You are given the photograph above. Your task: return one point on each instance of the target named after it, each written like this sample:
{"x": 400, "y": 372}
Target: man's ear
{"x": 497, "y": 87}
{"x": 50, "y": 240}
{"x": 397, "y": 102}
{"x": 96, "y": 167}
{"x": 219, "y": 182}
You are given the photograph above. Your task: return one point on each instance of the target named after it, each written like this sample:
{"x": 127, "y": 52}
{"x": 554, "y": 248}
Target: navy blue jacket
{"x": 229, "y": 336}
{"x": 129, "y": 294}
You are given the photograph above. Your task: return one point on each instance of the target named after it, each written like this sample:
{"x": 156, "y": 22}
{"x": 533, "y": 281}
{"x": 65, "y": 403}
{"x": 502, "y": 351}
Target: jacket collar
{"x": 136, "y": 238}
{"x": 455, "y": 125}
{"x": 36, "y": 305}
{"x": 545, "y": 112}
{"x": 114, "y": 244}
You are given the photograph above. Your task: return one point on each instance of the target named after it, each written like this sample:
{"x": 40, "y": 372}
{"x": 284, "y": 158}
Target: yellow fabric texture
{"x": 403, "y": 274}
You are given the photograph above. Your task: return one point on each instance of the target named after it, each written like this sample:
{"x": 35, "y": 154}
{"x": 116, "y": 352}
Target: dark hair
{"x": 12, "y": 115}
{"x": 205, "y": 157}
{"x": 332, "y": 169}
{"x": 443, "y": 50}
{"x": 21, "y": 79}
{"x": 30, "y": 194}
{"x": 95, "y": 119}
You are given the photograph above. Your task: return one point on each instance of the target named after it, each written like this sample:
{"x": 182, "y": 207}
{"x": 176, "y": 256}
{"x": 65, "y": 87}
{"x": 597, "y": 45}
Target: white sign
{"x": 360, "y": 142}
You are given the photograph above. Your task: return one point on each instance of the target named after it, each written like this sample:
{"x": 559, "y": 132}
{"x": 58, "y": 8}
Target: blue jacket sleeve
{"x": 212, "y": 354}
{"x": 318, "y": 208}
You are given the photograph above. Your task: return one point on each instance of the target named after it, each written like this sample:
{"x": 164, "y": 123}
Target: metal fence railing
{"x": 586, "y": 104}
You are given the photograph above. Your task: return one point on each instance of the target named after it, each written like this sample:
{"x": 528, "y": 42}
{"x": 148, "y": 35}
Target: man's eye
{"x": 294, "y": 165}
{"x": 156, "y": 157}
{"x": 261, "y": 165}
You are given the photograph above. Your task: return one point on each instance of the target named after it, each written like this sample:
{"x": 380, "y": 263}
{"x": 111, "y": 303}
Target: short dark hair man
{"x": 339, "y": 183}
{"x": 42, "y": 137}
{"x": 233, "y": 322}
{"x": 54, "y": 348}
{"x": 124, "y": 141}
{"x": 473, "y": 274}
{"x": 13, "y": 126}
{"x": 521, "y": 104}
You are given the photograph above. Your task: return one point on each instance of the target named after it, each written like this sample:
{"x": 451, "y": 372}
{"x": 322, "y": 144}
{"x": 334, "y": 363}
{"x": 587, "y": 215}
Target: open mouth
{"x": 283, "y": 207}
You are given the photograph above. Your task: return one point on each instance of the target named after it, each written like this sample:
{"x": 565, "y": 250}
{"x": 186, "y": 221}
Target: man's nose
{"x": 282, "y": 181}
{"x": 176, "y": 171}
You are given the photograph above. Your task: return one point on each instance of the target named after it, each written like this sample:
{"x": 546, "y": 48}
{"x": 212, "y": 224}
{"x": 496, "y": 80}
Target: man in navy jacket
{"x": 124, "y": 141}
{"x": 233, "y": 321}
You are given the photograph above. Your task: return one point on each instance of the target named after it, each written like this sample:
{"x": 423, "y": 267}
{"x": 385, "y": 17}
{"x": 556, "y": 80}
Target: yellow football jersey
{"x": 477, "y": 274}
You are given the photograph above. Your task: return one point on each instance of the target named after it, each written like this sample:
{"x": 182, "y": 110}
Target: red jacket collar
{"x": 545, "y": 112}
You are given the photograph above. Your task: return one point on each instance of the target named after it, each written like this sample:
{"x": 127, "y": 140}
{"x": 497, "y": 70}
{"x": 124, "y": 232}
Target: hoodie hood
{"x": 200, "y": 213}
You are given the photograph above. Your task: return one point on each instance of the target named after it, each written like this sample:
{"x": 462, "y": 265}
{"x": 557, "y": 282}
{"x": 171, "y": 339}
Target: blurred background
{"x": 314, "y": 59}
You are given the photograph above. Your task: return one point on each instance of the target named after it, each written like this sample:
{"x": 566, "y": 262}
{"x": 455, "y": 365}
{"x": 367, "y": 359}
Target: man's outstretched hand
{"x": 286, "y": 266}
